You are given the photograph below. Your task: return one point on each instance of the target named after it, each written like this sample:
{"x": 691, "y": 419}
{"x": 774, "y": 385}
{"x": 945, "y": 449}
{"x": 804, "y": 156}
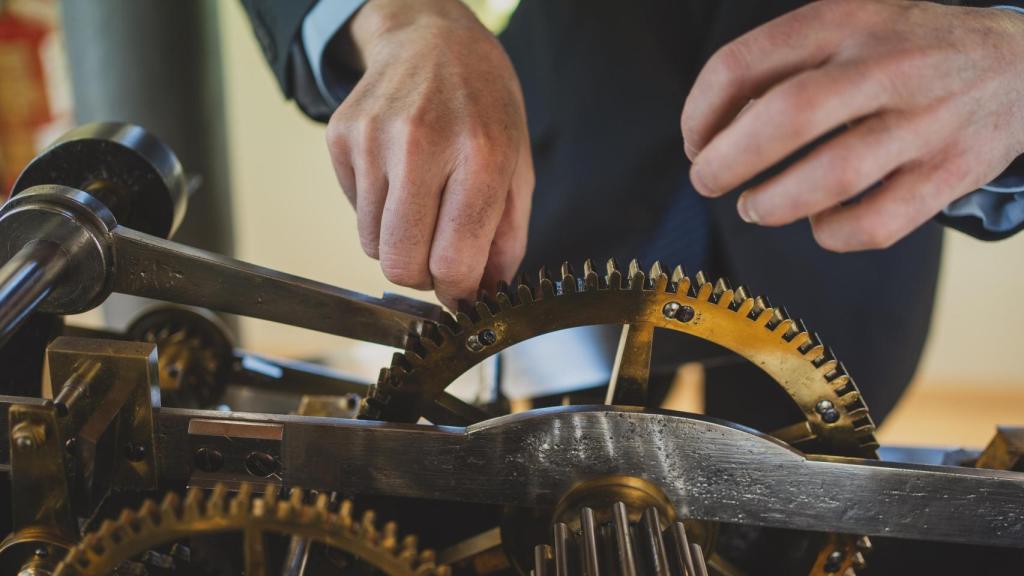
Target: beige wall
{"x": 290, "y": 215}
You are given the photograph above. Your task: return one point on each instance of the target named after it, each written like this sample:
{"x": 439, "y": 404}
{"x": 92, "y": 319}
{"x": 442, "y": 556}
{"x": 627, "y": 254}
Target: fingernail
{"x": 746, "y": 213}
{"x": 699, "y": 183}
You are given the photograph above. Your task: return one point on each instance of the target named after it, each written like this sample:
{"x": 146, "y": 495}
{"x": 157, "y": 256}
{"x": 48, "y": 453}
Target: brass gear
{"x": 152, "y": 525}
{"x": 836, "y": 419}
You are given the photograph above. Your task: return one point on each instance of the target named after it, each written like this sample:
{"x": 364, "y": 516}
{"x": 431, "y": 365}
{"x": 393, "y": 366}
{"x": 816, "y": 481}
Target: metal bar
{"x": 153, "y": 268}
{"x": 711, "y": 470}
{"x": 631, "y": 370}
{"x": 25, "y": 280}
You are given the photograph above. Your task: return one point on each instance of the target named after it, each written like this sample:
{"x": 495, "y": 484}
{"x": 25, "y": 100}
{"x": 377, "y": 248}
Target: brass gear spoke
{"x": 631, "y": 370}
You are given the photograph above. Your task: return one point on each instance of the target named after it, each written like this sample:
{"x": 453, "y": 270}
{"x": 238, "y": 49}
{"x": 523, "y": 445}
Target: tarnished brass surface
{"x": 109, "y": 402}
{"x": 152, "y": 525}
{"x": 836, "y": 416}
{"x": 1005, "y": 451}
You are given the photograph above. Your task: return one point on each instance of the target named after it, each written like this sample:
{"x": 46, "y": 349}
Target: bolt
{"x": 685, "y": 314}
{"x": 27, "y": 435}
{"x": 134, "y": 452}
{"x": 830, "y": 416}
{"x": 473, "y": 343}
{"x": 834, "y": 561}
{"x": 42, "y": 552}
{"x": 261, "y": 464}
{"x": 487, "y": 337}
{"x": 208, "y": 459}
{"x": 71, "y": 444}
{"x": 671, "y": 309}
{"x": 824, "y": 406}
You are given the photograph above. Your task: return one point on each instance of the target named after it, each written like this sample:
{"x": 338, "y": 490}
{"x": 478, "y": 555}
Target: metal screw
{"x": 134, "y": 452}
{"x": 208, "y": 459}
{"x": 834, "y": 561}
{"x": 261, "y": 464}
{"x": 487, "y": 337}
{"x": 685, "y": 314}
{"x": 824, "y": 406}
{"x": 42, "y": 552}
{"x": 71, "y": 444}
{"x": 473, "y": 343}
{"x": 671, "y": 309}
{"x": 27, "y": 435}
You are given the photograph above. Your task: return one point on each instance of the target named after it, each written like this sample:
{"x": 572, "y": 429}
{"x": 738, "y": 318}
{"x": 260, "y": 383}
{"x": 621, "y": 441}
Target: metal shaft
{"x": 25, "y": 280}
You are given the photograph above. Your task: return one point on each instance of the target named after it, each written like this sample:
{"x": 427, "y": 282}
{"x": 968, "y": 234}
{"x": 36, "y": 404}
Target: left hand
{"x": 932, "y": 97}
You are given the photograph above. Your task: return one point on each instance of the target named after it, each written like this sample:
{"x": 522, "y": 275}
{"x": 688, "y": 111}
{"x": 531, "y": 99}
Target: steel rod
{"x": 25, "y": 280}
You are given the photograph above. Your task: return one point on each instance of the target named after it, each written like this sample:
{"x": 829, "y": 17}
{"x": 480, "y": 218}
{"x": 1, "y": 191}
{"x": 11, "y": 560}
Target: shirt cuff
{"x": 321, "y": 25}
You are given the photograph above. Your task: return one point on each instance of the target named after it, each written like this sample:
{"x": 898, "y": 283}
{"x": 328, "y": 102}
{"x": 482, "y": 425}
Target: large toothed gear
{"x": 152, "y": 525}
{"x": 836, "y": 418}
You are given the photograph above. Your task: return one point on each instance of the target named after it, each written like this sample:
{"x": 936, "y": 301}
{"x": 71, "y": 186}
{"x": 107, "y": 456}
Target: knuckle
{"x": 404, "y": 271}
{"x": 457, "y": 274}
{"x": 874, "y": 233}
{"x": 731, "y": 63}
{"x": 826, "y": 237}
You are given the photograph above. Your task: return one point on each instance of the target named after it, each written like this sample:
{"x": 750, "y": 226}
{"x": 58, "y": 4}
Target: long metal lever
{"x": 147, "y": 266}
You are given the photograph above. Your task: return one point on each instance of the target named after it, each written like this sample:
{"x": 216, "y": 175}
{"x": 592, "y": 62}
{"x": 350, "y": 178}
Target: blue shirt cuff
{"x": 996, "y": 209}
{"x": 322, "y": 23}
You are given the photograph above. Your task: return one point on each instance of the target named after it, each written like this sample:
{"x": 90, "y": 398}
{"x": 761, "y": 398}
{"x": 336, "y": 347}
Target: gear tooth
{"x": 524, "y": 294}
{"x": 464, "y": 320}
{"x": 368, "y": 526}
{"x": 634, "y": 268}
{"x": 486, "y": 306}
{"x": 741, "y": 294}
{"x": 170, "y": 507}
{"x": 193, "y": 500}
{"x": 800, "y": 340}
{"x": 547, "y": 286}
{"x": 699, "y": 279}
{"x": 270, "y": 494}
{"x": 443, "y": 570}
{"x": 345, "y": 514}
{"x": 745, "y": 307}
{"x": 389, "y": 538}
{"x": 240, "y": 503}
{"x": 720, "y": 289}
{"x": 678, "y": 274}
{"x": 296, "y": 497}
{"x": 427, "y": 557}
{"x": 504, "y": 302}
{"x": 215, "y": 503}
{"x": 656, "y": 270}
{"x": 401, "y": 363}
{"x": 568, "y": 278}
{"x": 410, "y": 546}
{"x": 591, "y": 279}
{"x": 704, "y": 289}
{"x": 613, "y": 278}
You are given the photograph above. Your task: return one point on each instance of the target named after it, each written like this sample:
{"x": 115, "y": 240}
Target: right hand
{"x": 432, "y": 150}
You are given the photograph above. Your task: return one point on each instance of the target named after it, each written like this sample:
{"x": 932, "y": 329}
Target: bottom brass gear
{"x": 152, "y": 525}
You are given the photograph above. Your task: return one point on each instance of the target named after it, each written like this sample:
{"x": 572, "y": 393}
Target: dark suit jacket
{"x": 604, "y": 82}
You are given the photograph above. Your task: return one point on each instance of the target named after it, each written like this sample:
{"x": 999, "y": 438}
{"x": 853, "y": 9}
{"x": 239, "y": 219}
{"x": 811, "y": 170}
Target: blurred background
{"x": 192, "y": 71}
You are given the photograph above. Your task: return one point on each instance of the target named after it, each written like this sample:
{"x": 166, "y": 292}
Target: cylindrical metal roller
{"x": 134, "y": 174}
{"x": 63, "y": 207}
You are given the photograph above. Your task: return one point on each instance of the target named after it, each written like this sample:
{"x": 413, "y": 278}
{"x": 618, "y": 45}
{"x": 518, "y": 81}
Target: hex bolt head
{"x": 685, "y": 314}
{"x": 671, "y": 309}
{"x": 824, "y": 406}
{"x": 208, "y": 459}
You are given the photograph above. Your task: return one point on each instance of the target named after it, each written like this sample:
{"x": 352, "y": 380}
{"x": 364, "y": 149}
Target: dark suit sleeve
{"x": 277, "y": 25}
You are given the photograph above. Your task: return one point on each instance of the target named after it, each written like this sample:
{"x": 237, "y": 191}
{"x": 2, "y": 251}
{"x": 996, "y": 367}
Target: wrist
{"x": 381, "y": 20}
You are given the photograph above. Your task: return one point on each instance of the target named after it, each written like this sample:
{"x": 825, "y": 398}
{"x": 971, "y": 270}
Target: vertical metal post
{"x": 158, "y": 64}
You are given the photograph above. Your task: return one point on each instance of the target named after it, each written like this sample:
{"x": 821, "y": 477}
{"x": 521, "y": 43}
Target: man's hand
{"x": 431, "y": 148}
{"x": 931, "y": 98}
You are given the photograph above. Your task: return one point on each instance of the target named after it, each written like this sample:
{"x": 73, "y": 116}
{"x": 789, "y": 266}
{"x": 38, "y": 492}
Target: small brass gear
{"x": 835, "y": 417}
{"x": 152, "y": 525}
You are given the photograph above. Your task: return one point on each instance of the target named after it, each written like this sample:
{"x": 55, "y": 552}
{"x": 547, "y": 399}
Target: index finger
{"x": 747, "y": 67}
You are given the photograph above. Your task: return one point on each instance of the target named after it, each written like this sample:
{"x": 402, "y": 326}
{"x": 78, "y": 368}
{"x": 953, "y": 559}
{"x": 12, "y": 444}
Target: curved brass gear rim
{"x": 135, "y": 531}
{"x": 748, "y": 326}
